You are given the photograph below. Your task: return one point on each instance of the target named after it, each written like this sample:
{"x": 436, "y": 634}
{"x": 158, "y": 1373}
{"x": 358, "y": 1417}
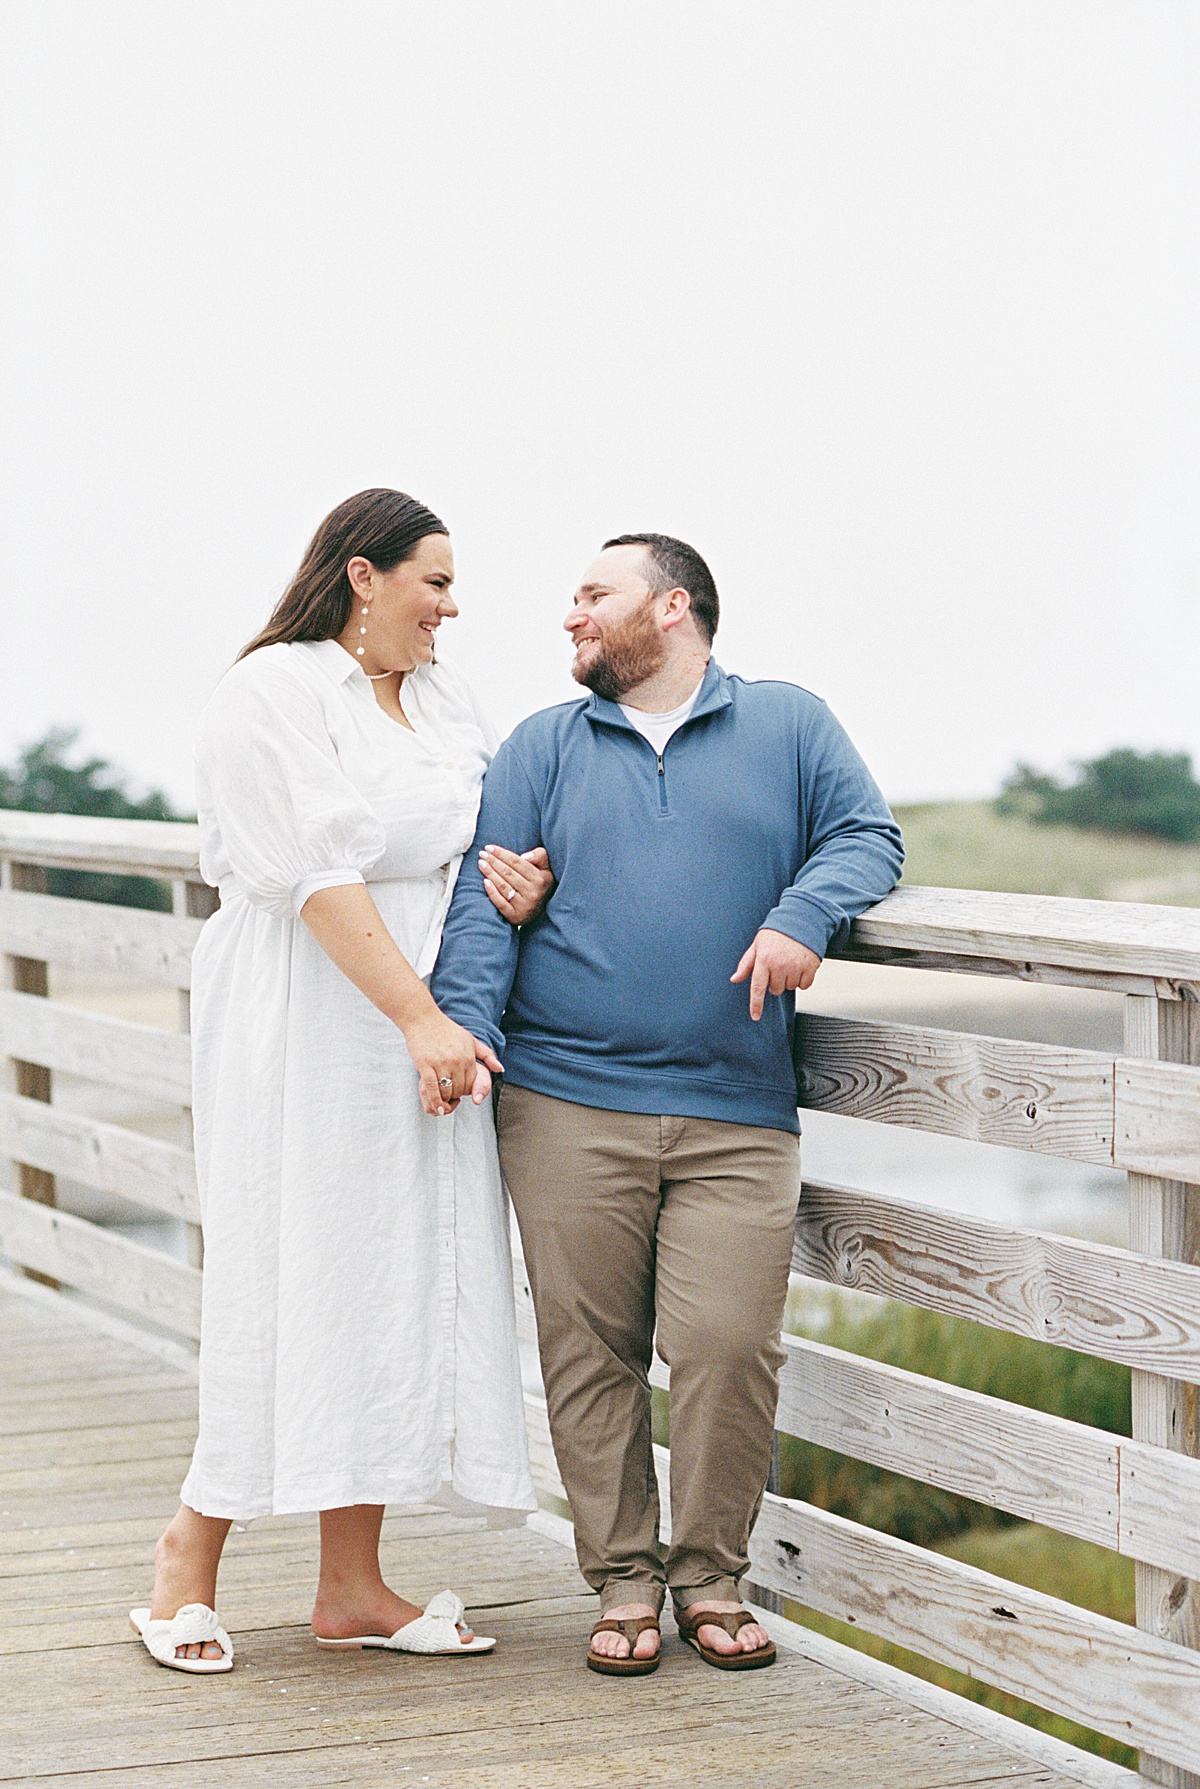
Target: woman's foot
{"x": 616, "y": 1646}
{"x": 352, "y": 1598}
{"x": 186, "y": 1557}
{"x": 374, "y": 1609}
{"x": 749, "y": 1638}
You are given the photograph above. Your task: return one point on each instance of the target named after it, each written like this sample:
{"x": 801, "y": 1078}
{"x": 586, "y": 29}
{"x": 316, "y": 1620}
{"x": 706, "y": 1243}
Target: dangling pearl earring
{"x": 362, "y": 630}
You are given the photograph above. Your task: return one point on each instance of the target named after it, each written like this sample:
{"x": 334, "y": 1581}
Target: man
{"x": 705, "y": 832}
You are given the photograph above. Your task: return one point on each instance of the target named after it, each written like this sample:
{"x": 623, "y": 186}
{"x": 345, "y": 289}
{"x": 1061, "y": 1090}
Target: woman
{"x": 358, "y": 1344}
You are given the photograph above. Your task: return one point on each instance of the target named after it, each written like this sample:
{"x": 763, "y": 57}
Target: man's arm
{"x": 853, "y": 857}
{"x": 474, "y": 973}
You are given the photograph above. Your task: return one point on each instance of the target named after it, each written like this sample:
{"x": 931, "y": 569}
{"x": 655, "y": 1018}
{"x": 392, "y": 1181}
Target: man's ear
{"x": 677, "y": 606}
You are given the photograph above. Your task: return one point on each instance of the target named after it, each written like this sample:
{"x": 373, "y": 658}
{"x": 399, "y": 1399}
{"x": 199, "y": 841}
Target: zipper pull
{"x": 661, "y": 769}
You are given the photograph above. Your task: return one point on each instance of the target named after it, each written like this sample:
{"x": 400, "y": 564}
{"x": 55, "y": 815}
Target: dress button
{"x": 449, "y": 764}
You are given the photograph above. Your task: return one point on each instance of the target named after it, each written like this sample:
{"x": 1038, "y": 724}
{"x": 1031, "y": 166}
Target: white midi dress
{"x": 358, "y": 1340}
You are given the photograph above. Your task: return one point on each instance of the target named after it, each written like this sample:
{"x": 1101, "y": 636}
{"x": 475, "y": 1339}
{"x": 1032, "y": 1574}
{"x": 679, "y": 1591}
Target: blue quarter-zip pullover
{"x": 758, "y": 812}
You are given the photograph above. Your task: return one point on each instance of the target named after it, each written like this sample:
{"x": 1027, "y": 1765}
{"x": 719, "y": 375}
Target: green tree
{"x": 1153, "y": 793}
{"x": 44, "y": 781}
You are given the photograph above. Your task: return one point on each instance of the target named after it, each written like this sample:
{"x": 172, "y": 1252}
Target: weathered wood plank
{"x": 110, "y": 1445}
{"x": 1015, "y": 1459}
{"x": 542, "y": 1463}
{"x": 1054, "y": 1100}
{"x": 1164, "y": 1220}
{"x": 122, "y": 847}
{"x": 142, "y": 1169}
{"x": 47, "y": 1414}
{"x": 1141, "y": 1501}
{"x": 133, "y": 1278}
{"x": 1104, "y": 937}
{"x": 1081, "y": 1295}
{"x": 143, "y": 1058}
{"x": 82, "y": 1383}
{"x": 1015, "y": 969}
{"x": 524, "y": 1721}
{"x": 1157, "y": 1128}
{"x": 93, "y": 935}
{"x": 1160, "y": 1511}
{"x": 28, "y": 976}
{"x": 1136, "y": 1688}
{"x": 84, "y": 1554}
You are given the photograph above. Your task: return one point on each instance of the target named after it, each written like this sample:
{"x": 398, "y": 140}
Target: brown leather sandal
{"x": 733, "y": 1622}
{"x": 631, "y": 1627}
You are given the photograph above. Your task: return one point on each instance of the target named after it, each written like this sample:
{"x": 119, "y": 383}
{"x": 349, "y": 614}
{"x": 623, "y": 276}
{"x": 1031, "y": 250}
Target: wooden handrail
{"x": 117, "y": 847}
{"x": 1028, "y": 937}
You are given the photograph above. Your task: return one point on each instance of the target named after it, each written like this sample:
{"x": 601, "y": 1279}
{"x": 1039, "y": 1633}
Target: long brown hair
{"x": 380, "y": 525}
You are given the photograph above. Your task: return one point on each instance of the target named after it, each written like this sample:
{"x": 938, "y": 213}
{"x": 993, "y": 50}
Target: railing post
{"x": 195, "y": 900}
{"x": 758, "y": 1593}
{"x": 1164, "y": 1220}
{"x": 27, "y": 975}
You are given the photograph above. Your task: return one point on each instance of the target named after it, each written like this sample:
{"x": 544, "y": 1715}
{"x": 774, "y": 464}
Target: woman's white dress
{"x": 358, "y": 1341}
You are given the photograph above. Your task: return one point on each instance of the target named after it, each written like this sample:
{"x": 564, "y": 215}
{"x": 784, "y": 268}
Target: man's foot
{"x": 374, "y": 1611}
{"x": 182, "y": 1575}
{"x": 750, "y": 1638}
{"x": 616, "y": 1646}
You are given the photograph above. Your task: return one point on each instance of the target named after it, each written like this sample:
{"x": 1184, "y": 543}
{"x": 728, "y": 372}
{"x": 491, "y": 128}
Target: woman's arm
{"x": 347, "y": 925}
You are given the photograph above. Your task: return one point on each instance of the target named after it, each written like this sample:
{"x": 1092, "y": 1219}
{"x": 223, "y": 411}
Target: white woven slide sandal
{"x": 436, "y": 1631}
{"x": 195, "y": 1625}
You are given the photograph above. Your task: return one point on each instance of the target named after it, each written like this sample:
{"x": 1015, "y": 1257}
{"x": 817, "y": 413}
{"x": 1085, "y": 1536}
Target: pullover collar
{"x": 714, "y": 694}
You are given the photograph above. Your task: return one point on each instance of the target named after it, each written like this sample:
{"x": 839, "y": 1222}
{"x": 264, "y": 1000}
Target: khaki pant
{"x": 628, "y": 1221}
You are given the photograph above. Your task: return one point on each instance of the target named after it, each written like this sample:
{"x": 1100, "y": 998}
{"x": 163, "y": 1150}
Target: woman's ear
{"x": 359, "y": 572}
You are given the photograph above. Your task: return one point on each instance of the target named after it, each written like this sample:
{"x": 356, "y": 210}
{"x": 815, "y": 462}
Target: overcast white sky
{"x": 888, "y": 308}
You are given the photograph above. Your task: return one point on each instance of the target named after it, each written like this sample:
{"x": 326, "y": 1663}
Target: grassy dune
{"x": 964, "y": 844}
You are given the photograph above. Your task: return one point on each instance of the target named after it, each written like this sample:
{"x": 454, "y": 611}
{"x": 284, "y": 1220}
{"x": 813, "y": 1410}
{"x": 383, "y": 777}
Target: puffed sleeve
{"x": 271, "y": 791}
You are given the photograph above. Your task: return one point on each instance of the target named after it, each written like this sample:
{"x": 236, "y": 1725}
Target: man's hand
{"x": 774, "y": 963}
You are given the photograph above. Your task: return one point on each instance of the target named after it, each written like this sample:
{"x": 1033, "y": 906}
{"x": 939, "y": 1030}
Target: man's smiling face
{"x": 614, "y": 624}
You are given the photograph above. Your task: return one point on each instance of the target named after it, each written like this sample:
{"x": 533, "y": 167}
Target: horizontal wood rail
{"x": 1140, "y": 1307}
{"x": 1123, "y": 946}
{"x": 144, "y": 1170}
{"x": 141, "y": 1281}
{"x": 1082, "y": 1104}
{"x": 1134, "y": 1309}
{"x": 113, "y": 847}
{"x": 1130, "y": 1685}
{"x": 1099, "y": 1487}
{"x": 119, "y": 1052}
{"x": 91, "y": 935}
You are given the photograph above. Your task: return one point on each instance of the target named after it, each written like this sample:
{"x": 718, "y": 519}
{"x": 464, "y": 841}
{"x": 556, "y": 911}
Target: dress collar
{"x": 333, "y": 659}
{"x": 338, "y": 665}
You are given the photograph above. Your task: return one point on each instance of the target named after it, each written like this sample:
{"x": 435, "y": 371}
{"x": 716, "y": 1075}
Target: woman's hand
{"x": 518, "y": 887}
{"x": 448, "y": 1062}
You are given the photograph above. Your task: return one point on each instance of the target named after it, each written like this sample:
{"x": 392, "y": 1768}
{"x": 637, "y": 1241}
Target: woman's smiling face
{"x": 405, "y": 607}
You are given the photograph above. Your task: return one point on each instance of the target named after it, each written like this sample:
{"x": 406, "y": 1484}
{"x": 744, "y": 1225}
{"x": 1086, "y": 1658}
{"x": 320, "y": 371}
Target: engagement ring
{"x": 445, "y": 1081}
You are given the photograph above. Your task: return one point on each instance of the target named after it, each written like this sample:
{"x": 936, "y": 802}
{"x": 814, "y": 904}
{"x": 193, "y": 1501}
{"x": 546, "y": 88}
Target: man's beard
{"x": 628, "y": 655}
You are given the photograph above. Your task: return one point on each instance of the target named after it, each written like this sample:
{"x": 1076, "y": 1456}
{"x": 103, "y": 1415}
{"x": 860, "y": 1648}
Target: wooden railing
{"x": 1139, "y": 1111}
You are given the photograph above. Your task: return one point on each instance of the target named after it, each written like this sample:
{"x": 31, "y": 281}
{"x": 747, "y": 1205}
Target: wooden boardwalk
{"x": 96, "y": 1435}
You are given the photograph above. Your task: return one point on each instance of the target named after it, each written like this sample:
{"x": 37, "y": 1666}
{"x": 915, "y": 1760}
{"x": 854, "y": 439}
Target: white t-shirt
{"x": 658, "y": 728}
